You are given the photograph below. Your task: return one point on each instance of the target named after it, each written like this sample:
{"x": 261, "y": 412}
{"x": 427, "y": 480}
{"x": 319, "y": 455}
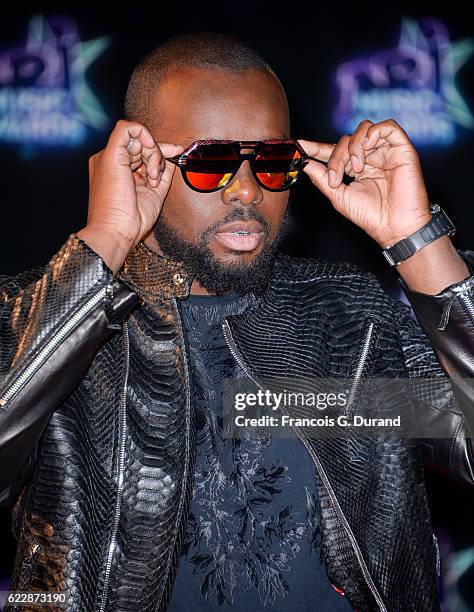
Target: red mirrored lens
{"x": 210, "y": 166}
{"x": 277, "y": 165}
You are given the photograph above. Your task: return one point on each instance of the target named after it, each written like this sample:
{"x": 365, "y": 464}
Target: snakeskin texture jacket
{"x": 97, "y": 433}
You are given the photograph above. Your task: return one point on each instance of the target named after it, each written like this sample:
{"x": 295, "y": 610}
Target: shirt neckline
{"x": 212, "y": 299}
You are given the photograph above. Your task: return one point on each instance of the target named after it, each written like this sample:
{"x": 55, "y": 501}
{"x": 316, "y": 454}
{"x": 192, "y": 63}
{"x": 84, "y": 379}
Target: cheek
{"x": 187, "y": 211}
{"x": 274, "y": 210}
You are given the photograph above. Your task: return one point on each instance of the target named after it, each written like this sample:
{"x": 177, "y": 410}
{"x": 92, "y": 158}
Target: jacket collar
{"x": 157, "y": 277}
{"x": 154, "y": 276}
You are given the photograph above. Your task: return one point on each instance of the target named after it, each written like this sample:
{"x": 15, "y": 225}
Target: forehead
{"x": 197, "y": 103}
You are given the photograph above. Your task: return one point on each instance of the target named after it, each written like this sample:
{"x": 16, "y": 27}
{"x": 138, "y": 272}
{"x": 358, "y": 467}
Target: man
{"x": 128, "y": 494}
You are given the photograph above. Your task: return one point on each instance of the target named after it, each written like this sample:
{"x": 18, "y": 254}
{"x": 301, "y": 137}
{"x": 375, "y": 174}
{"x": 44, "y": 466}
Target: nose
{"x": 243, "y": 188}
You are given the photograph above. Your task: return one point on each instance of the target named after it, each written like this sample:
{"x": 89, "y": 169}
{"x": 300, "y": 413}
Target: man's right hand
{"x": 128, "y": 183}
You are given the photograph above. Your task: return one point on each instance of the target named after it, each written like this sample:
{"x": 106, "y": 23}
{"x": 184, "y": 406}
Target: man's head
{"x": 211, "y": 86}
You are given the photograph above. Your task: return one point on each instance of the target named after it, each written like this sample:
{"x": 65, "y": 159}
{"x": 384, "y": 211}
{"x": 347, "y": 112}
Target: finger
{"x": 151, "y": 161}
{"x": 170, "y": 150}
{"x": 388, "y": 130}
{"x": 338, "y": 161}
{"x": 349, "y": 170}
{"x": 134, "y": 147}
{"x": 318, "y": 174}
{"x": 139, "y": 177}
{"x": 128, "y": 139}
{"x": 136, "y": 164}
{"x": 163, "y": 183}
{"x": 130, "y": 136}
{"x": 355, "y": 146}
{"x": 155, "y": 159}
{"x": 167, "y": 150}
{"x": 317, "y": 150}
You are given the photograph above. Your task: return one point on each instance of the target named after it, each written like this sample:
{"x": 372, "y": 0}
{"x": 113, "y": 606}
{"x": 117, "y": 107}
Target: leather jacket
{"x": 97, "y": 433}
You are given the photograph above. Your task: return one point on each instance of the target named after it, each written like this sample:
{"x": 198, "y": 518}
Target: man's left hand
{"x": 388, "y": 197}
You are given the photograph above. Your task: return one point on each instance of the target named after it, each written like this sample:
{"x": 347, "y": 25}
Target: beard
{"x": 216, "y": 276}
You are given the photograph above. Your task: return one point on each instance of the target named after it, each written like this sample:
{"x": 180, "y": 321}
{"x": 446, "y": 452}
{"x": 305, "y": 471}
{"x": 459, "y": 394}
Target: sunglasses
{"x": 209, "y": 165}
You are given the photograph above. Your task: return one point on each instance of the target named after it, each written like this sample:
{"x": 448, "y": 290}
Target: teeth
{"x": 240, "y": 233}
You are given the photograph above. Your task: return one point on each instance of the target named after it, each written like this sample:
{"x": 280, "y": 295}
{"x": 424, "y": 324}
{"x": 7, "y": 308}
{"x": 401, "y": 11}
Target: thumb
{"x": 318, "y": 174}
{"x": 166, "y": 178}
{"x": 167, "y": 168}
{"x": 170, "y": 150}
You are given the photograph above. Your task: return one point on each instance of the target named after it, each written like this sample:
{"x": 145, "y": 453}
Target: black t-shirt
{"x": 252, "y": 535}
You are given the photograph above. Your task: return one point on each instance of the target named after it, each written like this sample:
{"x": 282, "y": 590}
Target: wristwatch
{"x": 439, "y": 225}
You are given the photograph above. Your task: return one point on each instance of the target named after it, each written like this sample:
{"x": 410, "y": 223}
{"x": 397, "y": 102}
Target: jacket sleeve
{"x": 440, "y": 344}
{"x": 52, "y": 322}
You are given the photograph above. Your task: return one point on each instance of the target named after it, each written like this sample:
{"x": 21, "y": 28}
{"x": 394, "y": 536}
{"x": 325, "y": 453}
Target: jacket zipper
{"x": 438, "y": 558}
{"x": 187, "y": 458}
{"x": 461, "y": 292}
{"x": 370, "y": 583}
{"x": 120, "y": 471}
{"x": 360, "y": 365}
{"x": 465, "y": 299}
{"x": 11, "y": 391}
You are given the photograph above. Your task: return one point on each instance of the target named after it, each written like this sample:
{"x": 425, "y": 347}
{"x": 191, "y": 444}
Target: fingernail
{"x": 355, "y": 162}
{"x": 332, "y": 178}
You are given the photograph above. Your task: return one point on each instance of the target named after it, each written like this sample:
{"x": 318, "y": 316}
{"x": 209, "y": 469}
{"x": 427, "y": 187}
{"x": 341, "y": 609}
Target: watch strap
{"x": 439, "y": 225}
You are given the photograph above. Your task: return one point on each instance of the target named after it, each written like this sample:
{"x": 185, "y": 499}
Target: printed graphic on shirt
{"x": 252, "y": 536}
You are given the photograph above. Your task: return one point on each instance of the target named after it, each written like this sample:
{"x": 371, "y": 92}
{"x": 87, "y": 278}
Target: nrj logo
{"x": 414, "y": 83}
{"x": 44, "y": 96}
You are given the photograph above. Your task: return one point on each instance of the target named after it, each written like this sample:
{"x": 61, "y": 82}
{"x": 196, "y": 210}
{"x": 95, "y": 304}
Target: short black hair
{"x": 196, "y": 49}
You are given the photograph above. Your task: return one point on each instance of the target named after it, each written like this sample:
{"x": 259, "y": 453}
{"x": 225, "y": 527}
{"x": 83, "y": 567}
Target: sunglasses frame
{"x": 181, "y": 159}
